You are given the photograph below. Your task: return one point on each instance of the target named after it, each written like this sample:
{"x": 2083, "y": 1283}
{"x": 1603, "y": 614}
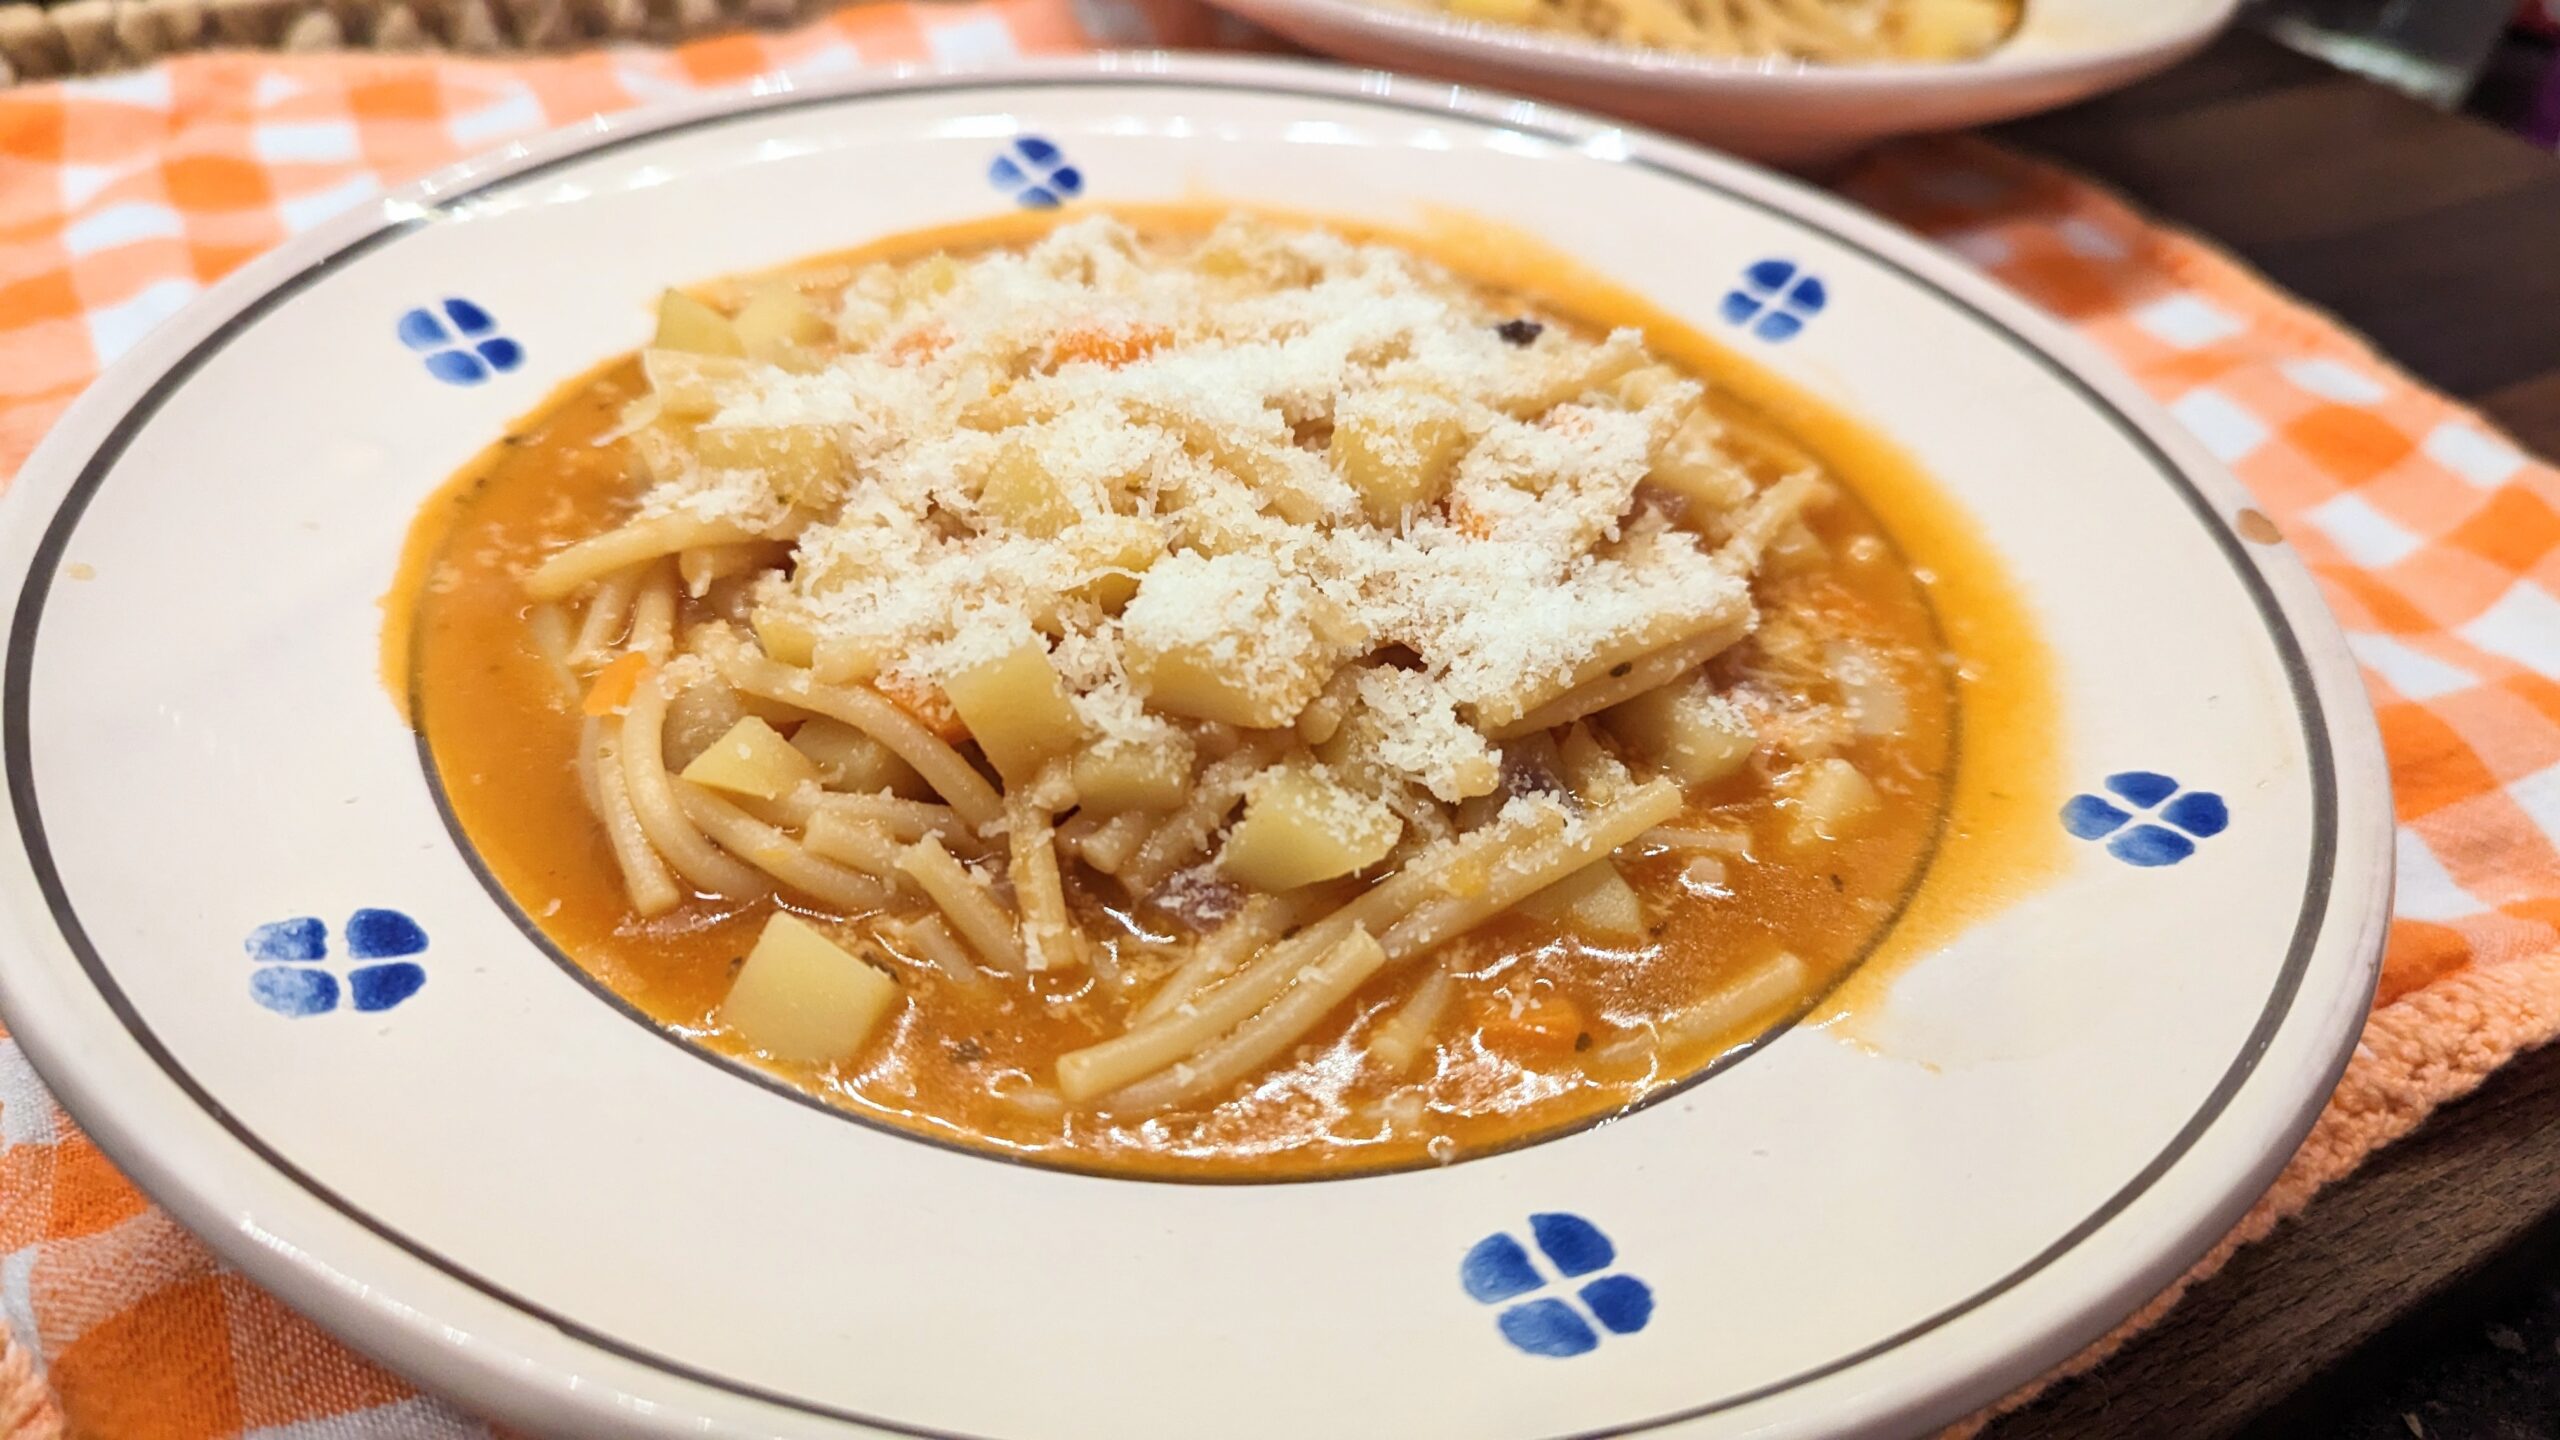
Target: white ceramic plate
{"x": 502, "y": 1185}
{"x": 1778, "y": 111}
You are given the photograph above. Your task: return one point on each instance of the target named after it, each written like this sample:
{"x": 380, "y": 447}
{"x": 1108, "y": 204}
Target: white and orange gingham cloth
{"x": 2437, "y": 542}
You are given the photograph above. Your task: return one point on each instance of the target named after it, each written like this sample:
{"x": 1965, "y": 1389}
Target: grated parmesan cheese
{"x": 1161, "y": 410}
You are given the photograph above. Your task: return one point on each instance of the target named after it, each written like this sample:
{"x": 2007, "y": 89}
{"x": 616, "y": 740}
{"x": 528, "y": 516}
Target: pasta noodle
{"x": 780, "y": 856}
{"x": 653, "y": 890}
{"x": 1828, "y": 31}
{"x": 653, "y": 615}
{"x": 965, "y": 902}
{"x": 1194, "y": 1023}
{"x": 905, "y": 820}
{"x": 1112, "y": 844}
{"x": 653, "y": 799}
{"x": 547, "y": 626}
{"x": 637, "y": 543}
{"x": 1050, "y": 936}
{"x": 1326, "y": 983}
{"x": 864, "y": 845}
{"x": 934, "y": 940}
{"x": 1400, "y": 1039}
{"x": 1265, "y": 918}
{"x": 962, "y": 787}
{"x": 1181, "y": 837}
{"x": 608, "y": 611}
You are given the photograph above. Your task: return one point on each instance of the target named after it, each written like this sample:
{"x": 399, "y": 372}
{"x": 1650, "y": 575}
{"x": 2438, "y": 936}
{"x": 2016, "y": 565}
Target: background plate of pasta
{"x": 1414, "y": 769}
{"x": 1792, "y": 82}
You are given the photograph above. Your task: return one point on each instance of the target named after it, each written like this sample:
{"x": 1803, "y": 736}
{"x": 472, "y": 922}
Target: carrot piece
{"x": 612, "y": 688}
{"x": 1469, "y": 520}
{"x": 1549, "y": 1025}
{"x": 1111, "y": 346}
{"x": 926, "y": 703}
{"x": 920, "y": 344}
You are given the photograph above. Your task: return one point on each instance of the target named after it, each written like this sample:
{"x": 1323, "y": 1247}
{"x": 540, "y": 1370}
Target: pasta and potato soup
{"x": 1225, "y": 697}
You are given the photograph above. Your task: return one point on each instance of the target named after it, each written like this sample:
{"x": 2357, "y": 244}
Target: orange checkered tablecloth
{"x": 2437, "y": 542}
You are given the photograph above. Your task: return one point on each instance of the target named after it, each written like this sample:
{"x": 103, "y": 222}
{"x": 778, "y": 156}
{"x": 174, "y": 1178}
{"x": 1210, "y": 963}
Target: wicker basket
{"x": 82, "y": 37}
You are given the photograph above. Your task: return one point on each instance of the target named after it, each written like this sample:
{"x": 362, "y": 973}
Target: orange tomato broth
{"x": 1536, "y": 1002}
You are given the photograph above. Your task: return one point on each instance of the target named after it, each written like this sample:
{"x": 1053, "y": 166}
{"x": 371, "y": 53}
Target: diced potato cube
{"x": 1300, "y": 827}
{"x": 849, "y": 659}
{"x": 1020, "y": 492}
{"x": 932, "y": 276}
{"x": 1595, "y": 775}
{"x": 1123, "y": 546}
{"x": 1644, "y": 385}
{"x": 1116, "y": 774}
{"x": 752, "y": 759}
{"x": 1228, "y": 638}
{"x": 1829, "y": 799}
{"x": 1595, "y": 899}
{"x": 1397, "y": 451}
{"x": 1191, "y": 681}
{"x": 697, "y": 716}
{"x": 1687, "y": 731}
{"x": 853, "y": 762}
{"x": 785, "y": 636}
{"x": 802, "y": 997}
{"x": 802, "y": 463}
{"x": 1693, "y": 465}
{"x": 687, "y": 385}
{"x": 1016, "y": 708}
{"x": 685, "y": 323}
{"x": 778, "y": 323}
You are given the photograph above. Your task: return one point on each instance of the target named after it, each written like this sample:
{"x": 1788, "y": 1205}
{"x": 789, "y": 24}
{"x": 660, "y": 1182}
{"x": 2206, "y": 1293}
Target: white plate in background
{"x": 1780, "y": 112}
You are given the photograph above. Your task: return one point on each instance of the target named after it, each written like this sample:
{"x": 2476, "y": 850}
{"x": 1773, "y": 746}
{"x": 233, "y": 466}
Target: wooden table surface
{"x": 2438, "y": 238}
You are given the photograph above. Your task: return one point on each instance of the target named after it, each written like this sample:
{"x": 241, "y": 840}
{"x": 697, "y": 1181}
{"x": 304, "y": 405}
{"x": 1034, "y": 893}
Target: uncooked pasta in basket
{"x": 1831, "y": 32}
{"x": 1211, "y": 695}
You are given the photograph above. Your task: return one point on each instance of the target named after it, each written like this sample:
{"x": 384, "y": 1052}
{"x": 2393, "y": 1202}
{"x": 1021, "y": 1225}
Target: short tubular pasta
{"x": 636, "y": 543}
{"x": 1631, "y": 678}
{"x": 607, "y": 613}
{"x": 653, "y": 614}
{"x": 1402, "y": 1036}
{"x": 1180, "y": 838}
{"x": 653, "y": 798}
{"x": 866, "y": 845}
{"x": 1325, "y": 984}
{"x": 547, "y": 627}
{"x": 1534, "y": 867}
{"x": 653, "y": 891}
{"x": 1838, "y": 32}
{"x": 934, "y": 941}
{"x": 943, "y": 767}
{"x": 778, "y": 855}
{"x": 1051, "y": 940}
{"x": 965, "y": 901}
{"x": 902, "y": 819}
{"x": 1264, "y": 918}
{"x": 1196, "y": 1022}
